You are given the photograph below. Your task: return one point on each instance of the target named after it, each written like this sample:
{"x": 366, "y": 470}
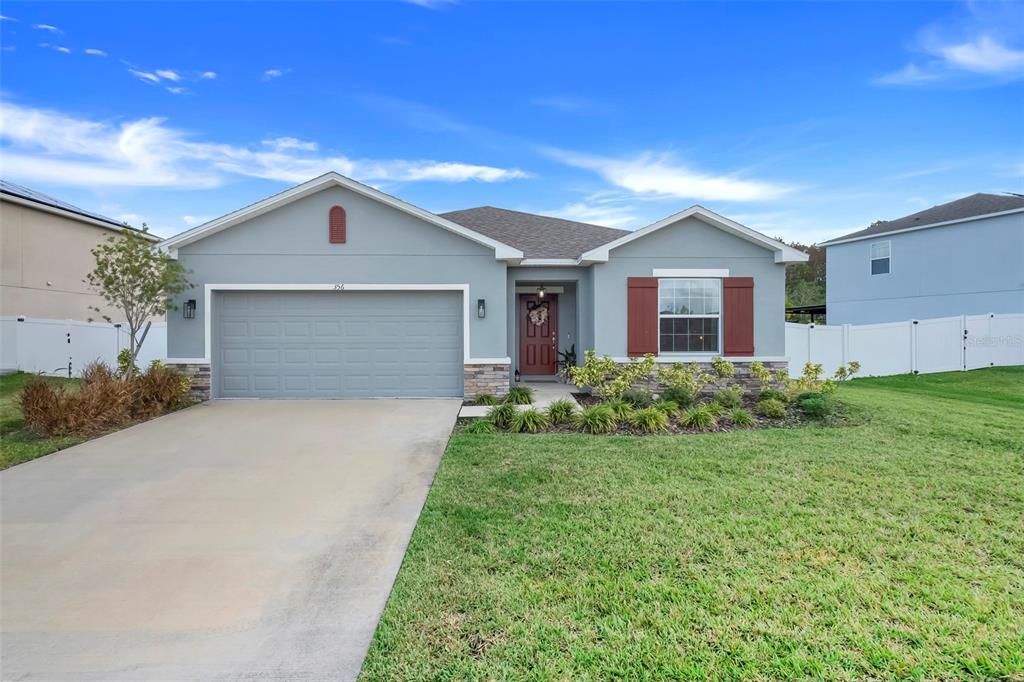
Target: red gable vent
{"x": 336, "y": 221}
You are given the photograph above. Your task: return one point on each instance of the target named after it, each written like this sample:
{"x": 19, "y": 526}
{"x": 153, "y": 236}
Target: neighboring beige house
{"x": 45, "y": 255}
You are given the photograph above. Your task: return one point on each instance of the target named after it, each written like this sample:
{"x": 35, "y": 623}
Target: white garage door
{"x": 346, "y": 344}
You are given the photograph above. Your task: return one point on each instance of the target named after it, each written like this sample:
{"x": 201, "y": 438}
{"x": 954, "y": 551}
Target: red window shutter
{"x": 642, "y": 316}
{"x": 336, "y": 222}
{"x": 738, "y": 315}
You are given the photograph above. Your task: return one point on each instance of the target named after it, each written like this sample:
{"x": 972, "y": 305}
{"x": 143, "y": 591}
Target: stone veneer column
{"x": 200, "y": 376}
{"x": 480, "y": 379}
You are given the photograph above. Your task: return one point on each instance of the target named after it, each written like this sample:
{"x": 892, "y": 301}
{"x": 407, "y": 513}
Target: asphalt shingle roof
{"x": 537, "y": 236}
{"x": 974, "y": 205}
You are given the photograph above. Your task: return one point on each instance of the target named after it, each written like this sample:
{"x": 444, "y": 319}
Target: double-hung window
{"x": 689, "y": 315}
{"x": 880, "y": 258}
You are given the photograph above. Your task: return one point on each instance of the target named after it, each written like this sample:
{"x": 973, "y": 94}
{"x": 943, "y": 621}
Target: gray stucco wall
{"x": 690, "y": 243}
{"x": 964, "y": 269}
{"x": 575, "y": 321}
{"x": 384, "y": 246}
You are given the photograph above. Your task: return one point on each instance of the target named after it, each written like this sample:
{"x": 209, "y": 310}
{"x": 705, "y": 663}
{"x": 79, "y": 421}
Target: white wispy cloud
{"x": 431, "y": 4}
{"x": 271, "y": 74}
{"x": 281, "y": 144}
{"x": 6, "y": 18}
{"x": 654, "y": 174}
{"x": 168, "y": 74}
{"x": 192, "y": 221}
{"x": 56, "y": 48}
{"x": 985, "y": 46}
{"x": 608, "y": 215}
{"x": 46, "y": 145}
{"x": 94, "y": 52}
{"x": 208, "y": 75}
{"x": 146, "y": 76}
{"x": 177, "y": 90}
{"x": 48, "y": 27}
{"x": 568, "y": 104}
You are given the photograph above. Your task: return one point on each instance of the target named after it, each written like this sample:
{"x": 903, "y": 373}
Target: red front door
{"x": 538, "y": 334}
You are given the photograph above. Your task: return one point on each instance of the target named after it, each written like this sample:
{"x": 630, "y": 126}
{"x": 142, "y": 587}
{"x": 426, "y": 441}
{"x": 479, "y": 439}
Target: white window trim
{"x": 872, "y": 259}
{"x": 719, "y": 316}
{"x": 340, "y": 288}
{"x": 690, "y": 273}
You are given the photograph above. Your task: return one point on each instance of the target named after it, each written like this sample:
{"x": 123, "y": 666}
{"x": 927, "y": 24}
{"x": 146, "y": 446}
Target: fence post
{"x": 846, "y": 344}
{"x": 913, "y": 346}
{"x": 963, "y": 343}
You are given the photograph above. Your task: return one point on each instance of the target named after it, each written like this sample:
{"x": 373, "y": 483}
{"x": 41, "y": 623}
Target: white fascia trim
{"x": 707, "y": 357}
{"x": 690, "y": 272}
{"x": 339, "y": 287}
{"x": 783, "y": 253}
{"x": 881, "y": 235}
{"x": 547, "y": 262}
{"x": 501, "y": 251}
{"x": 71, "y": 215}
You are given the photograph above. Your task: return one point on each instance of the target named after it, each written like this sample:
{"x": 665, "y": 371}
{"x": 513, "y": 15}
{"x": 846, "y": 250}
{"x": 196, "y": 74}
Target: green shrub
{"x": 689, "y": 377}
{"x": 519, "y": 395}
{"x": 761, "y": 373}
{"x": 608, "y": 378}
{"x": 715, "y": 408}
{"x": 816, "y": 406}
{"x": 772, "y": 394}
{"x": 741, "y": 417}
{"x": 480, "y": 426}
{"x": 561, "y": 411}
{"x": 530, "y": 420}
{"x": 772, "y": 408}
{"x": 723, "y": 368}
{"x": 486, "y": 399}
{"x": 649, "y": 419}
{"x": 730, "y": 398}
{"x": 124, "y": 362}
{"x": 501, "y": 415}
{"x": 669, "y": 407}
{"x": 620, "y": 407}
{"x": 638, "y": 398}
{"x": 682, "y": 397}
{"x": 597, "y": 419}
{"x": 700, "y": 417}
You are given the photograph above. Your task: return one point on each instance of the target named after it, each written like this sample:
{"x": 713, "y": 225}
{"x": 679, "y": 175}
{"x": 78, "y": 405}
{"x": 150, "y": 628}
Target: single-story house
{"x": 335, "y": 289}
{"x": 964, "y": 257}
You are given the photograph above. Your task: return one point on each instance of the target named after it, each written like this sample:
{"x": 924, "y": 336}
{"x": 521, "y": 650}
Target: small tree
{"x": 137, "y": 278}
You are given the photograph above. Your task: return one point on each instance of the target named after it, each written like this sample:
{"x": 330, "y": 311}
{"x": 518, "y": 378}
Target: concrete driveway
{"x": 233, "y": 540}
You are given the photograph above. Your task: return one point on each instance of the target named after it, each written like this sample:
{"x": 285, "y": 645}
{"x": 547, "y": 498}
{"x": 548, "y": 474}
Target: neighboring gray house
{"x": 334, "y": 289}
{"x": 961, "y": 258}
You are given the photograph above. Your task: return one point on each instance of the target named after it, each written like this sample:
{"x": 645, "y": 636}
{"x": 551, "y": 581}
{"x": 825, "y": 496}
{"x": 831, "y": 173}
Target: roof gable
{"x": 783, "y": 252}
{"x": 25, "y": 196}
{"x": 502, "y": 251}
{"x": 972, "y": 207}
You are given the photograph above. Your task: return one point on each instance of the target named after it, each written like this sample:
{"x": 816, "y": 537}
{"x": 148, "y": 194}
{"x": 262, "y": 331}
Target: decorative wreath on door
{"x": 538, "y": 314}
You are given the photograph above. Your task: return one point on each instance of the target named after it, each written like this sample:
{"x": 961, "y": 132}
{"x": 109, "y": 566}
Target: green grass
{"x": 889, "y": 548}
{"x": 17, "y": 444}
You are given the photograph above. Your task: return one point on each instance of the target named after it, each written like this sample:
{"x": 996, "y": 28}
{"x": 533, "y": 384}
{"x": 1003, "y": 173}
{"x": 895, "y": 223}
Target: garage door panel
{"x": 329, "y": 344}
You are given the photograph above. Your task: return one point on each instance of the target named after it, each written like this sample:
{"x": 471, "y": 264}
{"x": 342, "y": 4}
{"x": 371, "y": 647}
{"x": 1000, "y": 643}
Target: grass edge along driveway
{"x": 17, "y": 443}
{"x": 892, "y": 548}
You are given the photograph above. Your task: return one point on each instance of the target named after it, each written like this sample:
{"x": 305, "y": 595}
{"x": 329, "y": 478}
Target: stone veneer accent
{"x": 742, "y": 377}
{"x": 480, "y": 379}
{"x": 200, "y": 376}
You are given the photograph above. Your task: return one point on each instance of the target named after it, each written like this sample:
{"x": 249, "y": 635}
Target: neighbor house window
{"x": 689, "y": 315}
{"x": 880, "y": 258}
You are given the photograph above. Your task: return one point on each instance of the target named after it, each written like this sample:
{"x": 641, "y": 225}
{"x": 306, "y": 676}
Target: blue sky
{"x": 800, "y": 120}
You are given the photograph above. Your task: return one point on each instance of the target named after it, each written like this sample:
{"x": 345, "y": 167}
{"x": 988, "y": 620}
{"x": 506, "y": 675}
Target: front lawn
{"x": 17, "y": 444}
{"x": 892, "y": 548}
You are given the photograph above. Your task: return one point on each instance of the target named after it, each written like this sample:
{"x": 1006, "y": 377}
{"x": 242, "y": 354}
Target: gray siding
{"x": 385, "y": 246}
{"x": 699, "y": 245}
{"x": 964, "y": 269}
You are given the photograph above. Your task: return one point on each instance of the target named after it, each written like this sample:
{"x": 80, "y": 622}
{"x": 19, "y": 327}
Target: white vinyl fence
{"x": 943, "y": 344}
{"x": 64, "y": 347}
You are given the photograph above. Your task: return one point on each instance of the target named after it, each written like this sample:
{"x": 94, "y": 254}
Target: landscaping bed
{"x": 887, "y": 549}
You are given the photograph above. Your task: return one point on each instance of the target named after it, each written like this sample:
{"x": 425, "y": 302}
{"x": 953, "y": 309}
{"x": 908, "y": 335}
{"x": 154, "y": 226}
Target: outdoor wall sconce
{"x": 190, "y": 309}
{"x": 517, "y": 376}
{"x": 481, "y": 308}
{"x": 541, "y": 291}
